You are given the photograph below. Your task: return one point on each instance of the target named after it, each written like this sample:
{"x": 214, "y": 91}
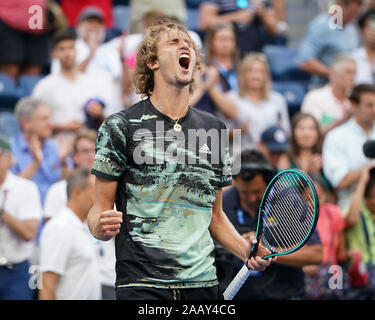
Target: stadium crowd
{"x": 310, "y": 107}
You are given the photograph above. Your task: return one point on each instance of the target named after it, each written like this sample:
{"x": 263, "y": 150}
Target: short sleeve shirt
{"x": 167, "y": 185}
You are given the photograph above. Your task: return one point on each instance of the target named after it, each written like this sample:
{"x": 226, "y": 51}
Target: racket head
{"x": 288, "y": 213}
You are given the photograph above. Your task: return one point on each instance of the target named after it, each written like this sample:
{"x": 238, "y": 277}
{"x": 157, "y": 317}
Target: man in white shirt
{"x": 56, "y": 199}
{"x": 343, "y": 157}
{"x": 67, "y": 91}
{"x": 68, "y": 257}
{"x": 365, "y": 55}
{"x": 20, "y": 212}
{"x": 330, "y": 104}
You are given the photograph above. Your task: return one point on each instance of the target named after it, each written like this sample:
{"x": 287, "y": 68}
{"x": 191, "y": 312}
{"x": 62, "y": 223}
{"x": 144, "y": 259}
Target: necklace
{"x": 177, "y": 127}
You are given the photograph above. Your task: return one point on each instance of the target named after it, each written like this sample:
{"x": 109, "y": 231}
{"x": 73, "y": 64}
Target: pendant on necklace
{"x": 177, "y": 127}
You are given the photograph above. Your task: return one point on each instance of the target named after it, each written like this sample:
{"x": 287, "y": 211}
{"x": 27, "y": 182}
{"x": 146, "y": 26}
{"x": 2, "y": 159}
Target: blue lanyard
{"x": 240, "y": 216}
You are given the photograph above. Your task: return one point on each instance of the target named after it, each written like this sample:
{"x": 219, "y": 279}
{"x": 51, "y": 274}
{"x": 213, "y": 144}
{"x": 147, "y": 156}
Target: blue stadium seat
{"x": 27, "y": 84}
{"x": 293, "y": 91}
{"x": 9, "y": 93}
{"x": 7, "y": 85}
{"x": 8, "y": 124}
{"x": 192, "y": 19}
{"x": 121, "y": 17}
{"x": 283, "y": 65}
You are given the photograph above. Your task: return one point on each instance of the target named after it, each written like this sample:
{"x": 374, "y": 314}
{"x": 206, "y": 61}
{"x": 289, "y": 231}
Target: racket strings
{"x": 291, "y": 236}
{"x": 289, "y": 216}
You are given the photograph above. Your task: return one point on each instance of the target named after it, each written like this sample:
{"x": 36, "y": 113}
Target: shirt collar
{"x": 73, "y": 218}
{"x": 358, "y": 130}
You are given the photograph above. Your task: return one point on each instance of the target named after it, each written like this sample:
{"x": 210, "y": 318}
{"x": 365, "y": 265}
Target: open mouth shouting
{"x": 184, "y": 61}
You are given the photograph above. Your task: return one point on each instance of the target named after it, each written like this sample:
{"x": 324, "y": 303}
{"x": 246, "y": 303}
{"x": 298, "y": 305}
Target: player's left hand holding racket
{"x": 287, "y": 218}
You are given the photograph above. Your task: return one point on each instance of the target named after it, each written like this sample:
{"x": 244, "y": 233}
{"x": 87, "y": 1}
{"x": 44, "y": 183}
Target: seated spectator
{"x": 66, "y": 91}
{"x": 253, "y": 21}
{"x": 219, "y": 76}
{"x": 23, "y": 50}
{"x": 68, "y": 257}
{"x": 365, "y": 55}
{"x": 20, "y": 213}
{"x": 284, "y": 278}
{"x": 306, "y": 150}
{"x": 274, "y": 144}
{"x": 322, "y": 41}
{"x": 258, "y": 107}
{"x": 361, "y": 228}
{"x": 343, "y": 157}
{"x": 331, "y": 229}
{"x": 330, "y": 104}
{"x": 36, "y": 156}
{"x": 222, "y": 53}
{"x": 83, "y": 158}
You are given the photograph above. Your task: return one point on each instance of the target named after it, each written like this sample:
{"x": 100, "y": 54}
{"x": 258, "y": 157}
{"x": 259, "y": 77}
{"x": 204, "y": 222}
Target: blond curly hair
{"x": 143, "y": 78}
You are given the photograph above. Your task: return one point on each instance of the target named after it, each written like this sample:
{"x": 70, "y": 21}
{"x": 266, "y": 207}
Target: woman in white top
{"x": 258, "y": 106}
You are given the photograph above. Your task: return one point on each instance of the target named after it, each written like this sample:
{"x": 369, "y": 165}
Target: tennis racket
{"x": 287, "y": 218}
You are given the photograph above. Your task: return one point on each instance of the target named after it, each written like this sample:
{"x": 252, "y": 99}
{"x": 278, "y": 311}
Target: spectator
{"x": 23, "y": 50}
{"x": 360, "y": 229}
{"x": 258, "y": 106}
{"x": 56, "y": 199}
{"x": 68, "y": 256}
{"x": 20, "y": 213}
{"x": 100, "y": 59}
{"x": 343, "y": 158}
{"x": 283, "y": 279}
{"x": 36, "y": 156}
{"x": 306, "y": 150}
{"x": 365, "y": 55}
{"x": 222, "y": 53}
{"x": 306, "y": 144}
{"x": 274, "y": 144}
{"x": 83, "y": 158}
{"x": 253, "y": 21}
{"x": 73, "y": 9}
{"x": 323, "y": 41}
{"x": 330, "y": 104}
{"x": 139, "y": 8}
{"x": 331, "y": 230}
{"x": 67, "y": 91}
{"x": 219, "y": 75}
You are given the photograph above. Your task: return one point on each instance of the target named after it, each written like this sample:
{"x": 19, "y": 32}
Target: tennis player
{"x": 169, "y": 211}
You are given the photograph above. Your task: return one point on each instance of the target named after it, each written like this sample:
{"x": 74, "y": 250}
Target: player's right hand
{"x": 109, "y": 224}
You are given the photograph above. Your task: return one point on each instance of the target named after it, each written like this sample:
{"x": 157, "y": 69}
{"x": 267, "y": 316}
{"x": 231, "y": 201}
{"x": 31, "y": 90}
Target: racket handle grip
{"x": 237, "y": 282}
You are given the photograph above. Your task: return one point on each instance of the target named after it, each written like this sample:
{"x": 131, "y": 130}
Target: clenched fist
{"x": 108, "y": 225}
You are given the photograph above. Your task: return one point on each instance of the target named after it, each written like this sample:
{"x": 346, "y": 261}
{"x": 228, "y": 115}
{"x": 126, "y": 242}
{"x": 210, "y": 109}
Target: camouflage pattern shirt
{"x": 167, "y": 185}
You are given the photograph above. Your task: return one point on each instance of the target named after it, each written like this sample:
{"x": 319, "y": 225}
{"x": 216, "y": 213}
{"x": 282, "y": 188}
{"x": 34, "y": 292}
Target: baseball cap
{"x": 91, "y": 12}
{"x": 276, "y": 139}
{"x": 4, "y": 144}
